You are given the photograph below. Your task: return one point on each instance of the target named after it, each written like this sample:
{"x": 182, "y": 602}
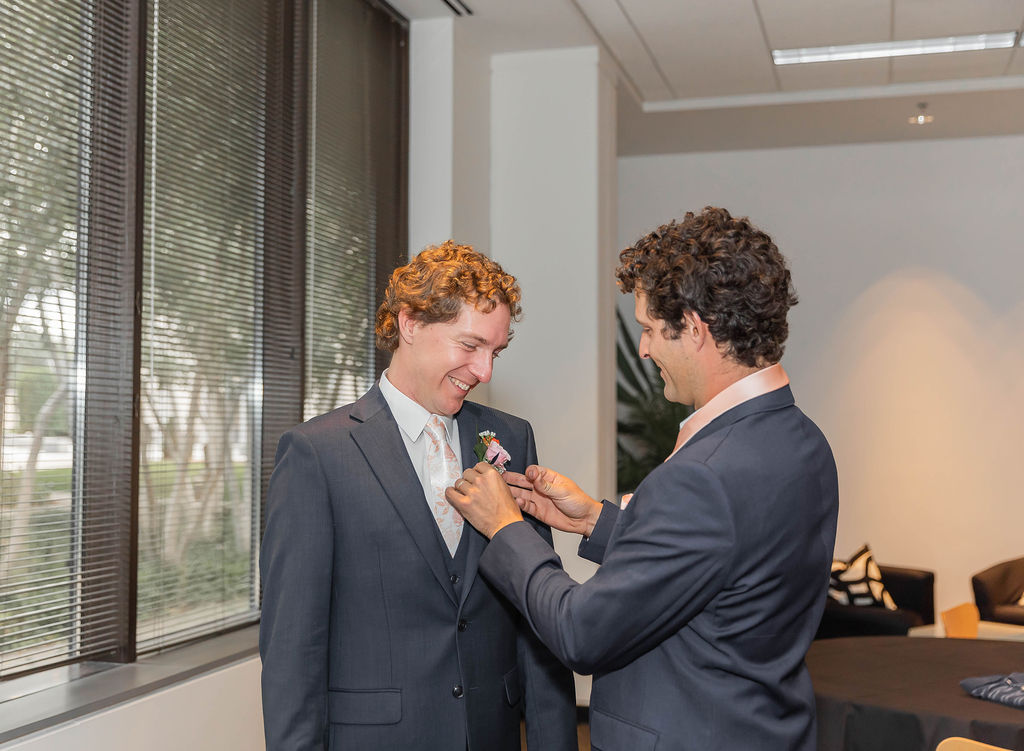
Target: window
{"x": 357, "y": 147}
{"x": 202, "y": 289}
{"x": 193, "y": 236}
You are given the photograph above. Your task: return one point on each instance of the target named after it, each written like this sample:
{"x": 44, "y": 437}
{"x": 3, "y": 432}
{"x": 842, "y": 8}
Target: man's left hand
{"x": 484, "y": 499}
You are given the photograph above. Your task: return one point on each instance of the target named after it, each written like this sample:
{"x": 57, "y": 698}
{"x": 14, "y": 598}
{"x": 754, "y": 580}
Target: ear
{"x": 407, "y": 325}
{"x": 696, "y": 330}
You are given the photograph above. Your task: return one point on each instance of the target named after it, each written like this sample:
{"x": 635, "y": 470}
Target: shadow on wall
{"x": 923, "y": 404}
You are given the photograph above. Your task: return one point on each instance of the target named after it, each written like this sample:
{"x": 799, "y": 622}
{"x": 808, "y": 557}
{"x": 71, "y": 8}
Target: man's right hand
{"x": 554, "y": 499}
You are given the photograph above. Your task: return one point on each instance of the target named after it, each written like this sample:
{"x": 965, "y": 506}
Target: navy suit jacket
{"x": 712, "y": 583}
{"x": 371, "y": 638}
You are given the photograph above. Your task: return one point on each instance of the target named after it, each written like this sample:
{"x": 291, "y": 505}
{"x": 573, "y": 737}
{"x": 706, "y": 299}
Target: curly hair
{"x": 434, "y": 284}
{"x": 725, "y": 270}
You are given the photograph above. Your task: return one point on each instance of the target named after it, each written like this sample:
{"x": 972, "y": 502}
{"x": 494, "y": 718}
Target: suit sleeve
{"x": 593, "y": 548}
{"x": 550, "y": 693}
{"x": 295, "y": 568}
{"x": 669, "y": 559}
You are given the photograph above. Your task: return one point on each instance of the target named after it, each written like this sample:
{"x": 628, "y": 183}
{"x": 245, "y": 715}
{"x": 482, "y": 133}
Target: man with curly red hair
{"x": 377, "y": 633}
{"x": 713, "y": 578}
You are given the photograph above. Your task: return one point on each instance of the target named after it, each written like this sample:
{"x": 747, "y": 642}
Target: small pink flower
{"x": 496, "y": 455}
{"x": 488, "y": 449}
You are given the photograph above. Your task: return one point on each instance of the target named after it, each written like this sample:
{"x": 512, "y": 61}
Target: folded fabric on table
{"x": 1005, "y": 689}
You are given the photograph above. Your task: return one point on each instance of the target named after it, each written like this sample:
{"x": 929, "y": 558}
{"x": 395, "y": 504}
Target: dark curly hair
{"x": 434, "y": 284}
{"x": 722, "y": 268}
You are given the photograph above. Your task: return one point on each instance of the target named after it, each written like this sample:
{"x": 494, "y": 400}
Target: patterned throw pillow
{"x": 859, "y": 582}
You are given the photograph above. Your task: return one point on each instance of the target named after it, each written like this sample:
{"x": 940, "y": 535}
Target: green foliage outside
{"x": 215, "y": 570}
{"x": 648, "y": 423}
{"x": 35, "y": 385}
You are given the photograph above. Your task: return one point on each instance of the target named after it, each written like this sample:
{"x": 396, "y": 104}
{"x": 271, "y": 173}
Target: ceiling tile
{"x": 833, "y": 75}
{"x": 614, "y": 28}
{"x": 705, "y": 49}
{"x": 813, "y": 23}
{"x": 950, "y": 65}
{"x": 923, "y": 19}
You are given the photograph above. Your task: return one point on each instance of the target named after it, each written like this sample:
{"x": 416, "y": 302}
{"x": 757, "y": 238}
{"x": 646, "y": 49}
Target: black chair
{"x": 913, "y": 591}
{"x": 998, "y": 589}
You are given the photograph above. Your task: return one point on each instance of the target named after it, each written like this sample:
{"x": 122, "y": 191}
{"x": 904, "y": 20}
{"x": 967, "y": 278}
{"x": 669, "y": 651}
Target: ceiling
{"x": 698, "y": 75}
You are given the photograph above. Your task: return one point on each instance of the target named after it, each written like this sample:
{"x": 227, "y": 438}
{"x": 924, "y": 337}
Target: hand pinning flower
{"x": 489, "y": 449}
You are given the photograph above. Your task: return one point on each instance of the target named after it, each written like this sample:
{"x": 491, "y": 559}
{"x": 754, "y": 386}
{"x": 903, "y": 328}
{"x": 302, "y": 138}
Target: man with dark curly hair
{"x": 377, "y": 633}
{"x": 713, "y": 577}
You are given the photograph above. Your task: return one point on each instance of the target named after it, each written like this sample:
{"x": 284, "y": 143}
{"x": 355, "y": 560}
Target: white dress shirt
{"x": 411, "y": 418}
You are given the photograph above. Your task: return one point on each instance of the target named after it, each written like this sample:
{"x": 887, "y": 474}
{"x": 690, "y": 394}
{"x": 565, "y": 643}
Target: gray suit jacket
{"x": 712, "y": 584}
{"x": 372, "y": 636}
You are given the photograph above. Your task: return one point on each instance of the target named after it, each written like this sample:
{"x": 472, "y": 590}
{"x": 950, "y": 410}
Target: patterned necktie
{"x": 444, "y": 470}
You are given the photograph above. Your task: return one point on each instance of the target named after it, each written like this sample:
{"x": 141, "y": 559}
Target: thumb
{"x": 542, "y": 478}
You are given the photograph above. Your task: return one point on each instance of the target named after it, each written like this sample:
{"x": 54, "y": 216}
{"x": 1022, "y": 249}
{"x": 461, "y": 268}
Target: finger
{"x": 454, "y": 497}
{"x": 517, "y": 479}
{"x": 543, "y": 478}
{"x": 520, "y": 494}
{"x": 482, "y": 468}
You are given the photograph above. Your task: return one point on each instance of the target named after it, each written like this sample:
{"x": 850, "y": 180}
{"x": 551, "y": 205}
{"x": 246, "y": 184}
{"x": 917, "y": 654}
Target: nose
{"x": 482, "y": 366}
{"x": 643, "y": 349}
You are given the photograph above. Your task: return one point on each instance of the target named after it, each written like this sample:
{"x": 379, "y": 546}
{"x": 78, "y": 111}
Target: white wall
{"x": 906, "y": 346}
{"x": 449, "y": 136}
{"x": 431, "y": 131}
{"x": 216, "y": 711}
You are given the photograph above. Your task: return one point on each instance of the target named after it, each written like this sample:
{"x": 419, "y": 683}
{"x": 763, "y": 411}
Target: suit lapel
{"x": 469, "y": 427}
{"x": 381, "y": 443}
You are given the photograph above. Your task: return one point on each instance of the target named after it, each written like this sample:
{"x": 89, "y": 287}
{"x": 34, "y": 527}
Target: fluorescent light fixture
{"x": 870, "y": 50}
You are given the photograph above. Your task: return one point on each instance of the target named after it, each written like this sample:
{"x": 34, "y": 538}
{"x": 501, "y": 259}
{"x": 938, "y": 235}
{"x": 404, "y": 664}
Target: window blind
{"x": 356, "y": 210}
{"x": 66, "y": 346}
{"x": 202, "y": 293}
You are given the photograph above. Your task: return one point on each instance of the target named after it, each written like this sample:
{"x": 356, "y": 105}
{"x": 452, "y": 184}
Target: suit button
{"x": 463, "y": 625}
{"x": 454, "y": 579}
{"x": 457, "y": 691}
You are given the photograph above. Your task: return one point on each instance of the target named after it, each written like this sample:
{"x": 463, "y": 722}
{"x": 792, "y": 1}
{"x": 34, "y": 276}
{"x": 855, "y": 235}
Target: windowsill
{"x": 105, "y": 687}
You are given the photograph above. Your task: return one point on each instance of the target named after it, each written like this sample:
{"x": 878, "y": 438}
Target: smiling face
{"x": 437, "y": 364}
{"x": 670, "y": 355}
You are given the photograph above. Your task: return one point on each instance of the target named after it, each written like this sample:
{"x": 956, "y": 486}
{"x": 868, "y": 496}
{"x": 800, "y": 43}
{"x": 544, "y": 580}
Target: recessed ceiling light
{"x": 870, "y": 50}
{"x": 921, "y": 118}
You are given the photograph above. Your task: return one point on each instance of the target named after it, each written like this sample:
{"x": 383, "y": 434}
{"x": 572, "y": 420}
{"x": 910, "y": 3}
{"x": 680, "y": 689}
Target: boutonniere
{"x": 489, "y": 450}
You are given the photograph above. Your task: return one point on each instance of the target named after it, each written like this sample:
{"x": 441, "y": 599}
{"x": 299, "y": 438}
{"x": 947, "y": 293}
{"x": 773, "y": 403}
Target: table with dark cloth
{"x": 893, "y": 693}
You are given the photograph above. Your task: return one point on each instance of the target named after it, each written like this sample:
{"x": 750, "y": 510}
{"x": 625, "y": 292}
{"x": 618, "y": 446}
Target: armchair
{"x": 913, "y": 591}
{"x": 997, "y": 592}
